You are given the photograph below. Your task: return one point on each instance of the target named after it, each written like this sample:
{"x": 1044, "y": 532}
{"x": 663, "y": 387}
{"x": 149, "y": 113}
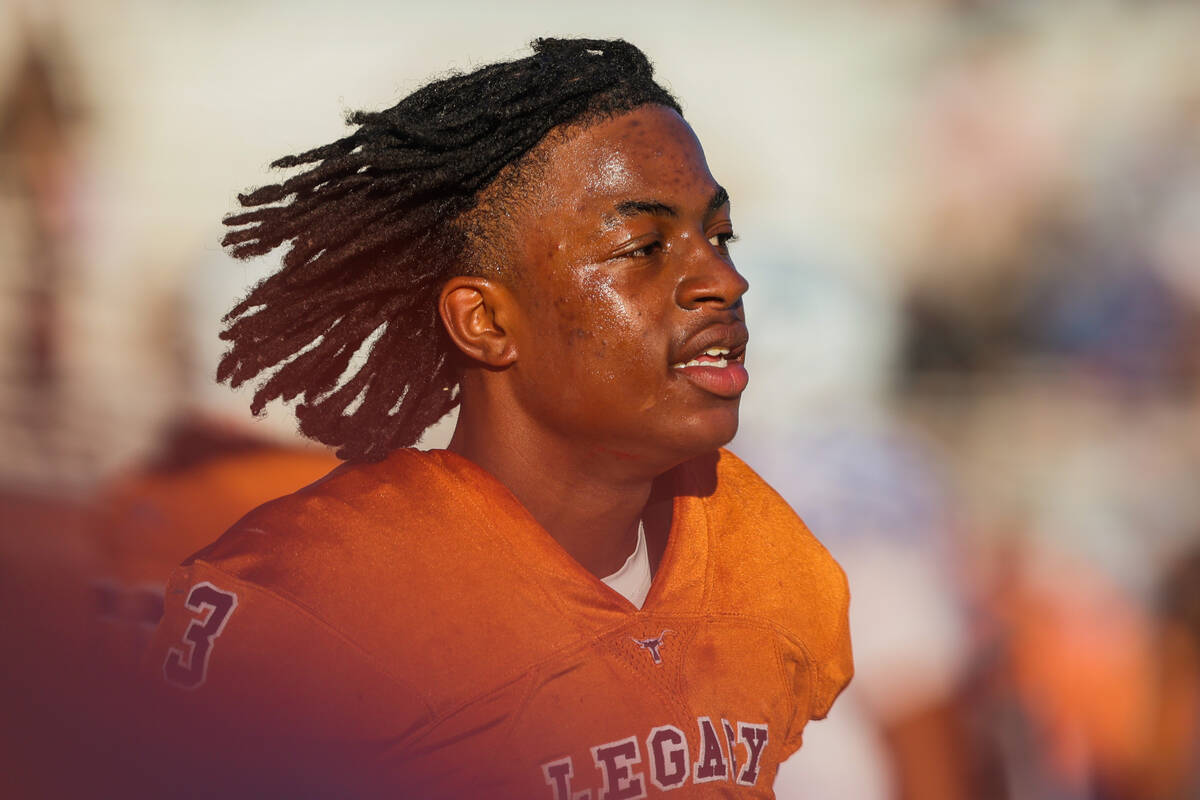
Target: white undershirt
{"x": 632, "y": 580}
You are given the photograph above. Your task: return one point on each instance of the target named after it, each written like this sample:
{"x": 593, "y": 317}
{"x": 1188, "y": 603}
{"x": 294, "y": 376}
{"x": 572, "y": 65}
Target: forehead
{"x": 649, "y": 153}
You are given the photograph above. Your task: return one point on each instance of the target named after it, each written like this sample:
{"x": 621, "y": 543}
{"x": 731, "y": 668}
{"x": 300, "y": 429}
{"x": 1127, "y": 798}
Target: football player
{"x": 582, "y": 595}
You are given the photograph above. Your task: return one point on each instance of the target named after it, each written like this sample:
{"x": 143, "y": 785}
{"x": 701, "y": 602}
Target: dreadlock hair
{"x": 376, "y": 223}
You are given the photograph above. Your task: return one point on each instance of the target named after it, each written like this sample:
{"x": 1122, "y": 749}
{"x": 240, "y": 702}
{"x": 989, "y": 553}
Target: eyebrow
{"x": 631, "y": 208}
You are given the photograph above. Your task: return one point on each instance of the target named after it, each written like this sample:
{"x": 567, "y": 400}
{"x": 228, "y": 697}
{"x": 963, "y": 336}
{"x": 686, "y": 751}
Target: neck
{"x": 588, "y": 500}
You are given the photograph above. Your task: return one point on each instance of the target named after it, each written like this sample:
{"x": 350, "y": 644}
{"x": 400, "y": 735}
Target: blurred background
{"x": 972, "y": 232}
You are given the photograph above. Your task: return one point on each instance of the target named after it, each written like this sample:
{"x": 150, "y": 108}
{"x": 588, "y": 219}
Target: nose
{"x": 710, "y": 280}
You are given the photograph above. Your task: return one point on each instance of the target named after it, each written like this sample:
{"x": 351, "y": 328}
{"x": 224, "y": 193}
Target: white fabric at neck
{"x": 632, "y": 580}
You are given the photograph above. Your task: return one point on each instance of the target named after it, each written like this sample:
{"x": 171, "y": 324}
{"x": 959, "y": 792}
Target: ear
{"x": 477, "y": 312}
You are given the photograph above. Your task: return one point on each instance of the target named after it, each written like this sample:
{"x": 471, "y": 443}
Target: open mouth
{"x": 717, "y": 370}
{"x": 713, "y": 357}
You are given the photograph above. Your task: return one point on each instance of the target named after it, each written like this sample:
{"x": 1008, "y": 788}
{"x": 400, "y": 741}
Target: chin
{"x": 675, "y": 438}
{"x": 706, "y": 431}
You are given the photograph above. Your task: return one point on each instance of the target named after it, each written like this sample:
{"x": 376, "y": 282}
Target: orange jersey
{"x": 412, "y": 623}
{"x": 148, "y": 523}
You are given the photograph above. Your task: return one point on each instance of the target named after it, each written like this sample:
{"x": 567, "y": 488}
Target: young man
{"x": 582, "y": 596}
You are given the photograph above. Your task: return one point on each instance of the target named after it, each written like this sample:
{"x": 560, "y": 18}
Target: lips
{"x": 712, "y": 360}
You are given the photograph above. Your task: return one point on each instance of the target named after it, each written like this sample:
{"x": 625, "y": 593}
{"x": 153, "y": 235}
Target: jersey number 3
{"x": 187, "y": 666}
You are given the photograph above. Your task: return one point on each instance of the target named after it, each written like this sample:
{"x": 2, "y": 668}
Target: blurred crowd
{"x": 1013, "y": 492}
{"x": 982, "y": 393}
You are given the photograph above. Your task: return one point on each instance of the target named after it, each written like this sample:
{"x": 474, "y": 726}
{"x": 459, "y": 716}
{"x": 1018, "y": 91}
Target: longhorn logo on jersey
{"x": 653, "y": 645}
{"x": 667, "y": 762}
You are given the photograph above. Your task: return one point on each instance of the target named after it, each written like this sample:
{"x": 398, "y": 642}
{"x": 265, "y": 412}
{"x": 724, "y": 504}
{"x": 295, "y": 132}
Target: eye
{"x": 721, "y": 240}
{"x": 645, "y": 250}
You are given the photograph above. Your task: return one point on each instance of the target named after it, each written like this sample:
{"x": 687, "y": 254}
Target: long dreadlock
{"x": 381, "y": 220}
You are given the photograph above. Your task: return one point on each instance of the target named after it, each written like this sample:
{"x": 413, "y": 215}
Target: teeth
{"x": 718, "y": 353}
{"x": 718, "y": 364}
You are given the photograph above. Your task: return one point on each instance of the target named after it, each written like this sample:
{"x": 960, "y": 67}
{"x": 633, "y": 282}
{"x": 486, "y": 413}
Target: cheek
{"x": 607, "y": 329}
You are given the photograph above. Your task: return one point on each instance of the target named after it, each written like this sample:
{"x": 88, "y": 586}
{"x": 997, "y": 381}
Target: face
{"x": 630, "y": 334}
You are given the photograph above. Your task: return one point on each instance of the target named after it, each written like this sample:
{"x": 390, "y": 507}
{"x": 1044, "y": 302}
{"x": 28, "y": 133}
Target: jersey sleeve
{"x": 246, "y": 678}
{"x": 829, "y": 649}
{"x": 819, "y": 663}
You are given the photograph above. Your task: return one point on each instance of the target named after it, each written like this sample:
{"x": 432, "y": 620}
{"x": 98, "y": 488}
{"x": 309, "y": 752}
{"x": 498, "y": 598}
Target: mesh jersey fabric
{"x": 406, "y": 629}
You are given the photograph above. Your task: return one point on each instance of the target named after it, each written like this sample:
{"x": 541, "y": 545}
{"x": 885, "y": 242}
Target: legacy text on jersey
{"x": 623, "y": 769}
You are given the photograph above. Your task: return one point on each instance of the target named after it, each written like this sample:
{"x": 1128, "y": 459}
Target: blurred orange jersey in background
{"x": 148, "y": 522}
